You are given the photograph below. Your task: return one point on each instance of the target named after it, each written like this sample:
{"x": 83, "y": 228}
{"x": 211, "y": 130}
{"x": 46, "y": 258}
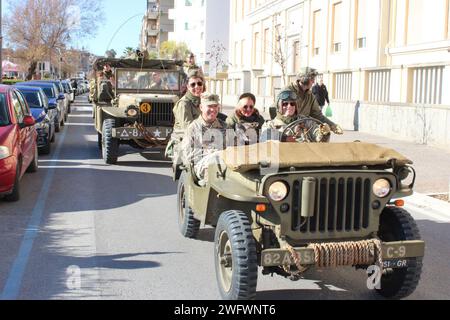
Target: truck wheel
{"x": 235, "y": 257}
{"x": 397, "y": 224}
{"x": 188, "y": 225}
{"x": 46, "y": 149}
{"x": 110, "y": 145}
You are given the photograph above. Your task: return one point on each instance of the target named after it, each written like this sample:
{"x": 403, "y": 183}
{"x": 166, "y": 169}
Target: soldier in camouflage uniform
{"x": 307, "y": 104}
{"x": 186, "y": 110}
{"x": 306, "y": 131}
{"x": 246, "y": 120}
{"x": 205, "y": 137}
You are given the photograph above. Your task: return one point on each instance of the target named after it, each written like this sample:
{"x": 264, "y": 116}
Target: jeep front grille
{"x": 342, "y": 205}
{"x": 161, "y": 115}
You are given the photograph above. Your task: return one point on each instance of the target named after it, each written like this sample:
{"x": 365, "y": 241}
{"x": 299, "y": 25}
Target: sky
{"x": 117, "y": 12}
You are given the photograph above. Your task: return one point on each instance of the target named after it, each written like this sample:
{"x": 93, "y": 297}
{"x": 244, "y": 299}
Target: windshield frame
{"x": 162, "y": 71}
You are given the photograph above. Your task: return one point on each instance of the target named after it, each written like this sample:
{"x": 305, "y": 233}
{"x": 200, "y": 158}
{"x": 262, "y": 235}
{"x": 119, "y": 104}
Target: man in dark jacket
{"x": 321, "y": 93}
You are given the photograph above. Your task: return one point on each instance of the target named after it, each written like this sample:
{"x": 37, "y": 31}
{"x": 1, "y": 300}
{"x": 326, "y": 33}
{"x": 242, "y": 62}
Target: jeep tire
{"x": 235, "y": 257}
{"x": 188, "y": 225}
{"x": 397, "y": 224}
{"x": 110, "y": 145}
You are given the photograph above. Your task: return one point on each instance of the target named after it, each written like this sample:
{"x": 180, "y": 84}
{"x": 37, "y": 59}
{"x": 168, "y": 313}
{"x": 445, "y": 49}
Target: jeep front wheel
{"x": 188, "y": 225}
{"x": 397, "y": 224}
{"x": 235, "y": 257}
{"x": 110, "y": 145}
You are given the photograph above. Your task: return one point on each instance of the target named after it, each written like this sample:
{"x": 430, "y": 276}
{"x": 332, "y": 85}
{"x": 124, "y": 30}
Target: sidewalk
{"x": 432, "y": 164}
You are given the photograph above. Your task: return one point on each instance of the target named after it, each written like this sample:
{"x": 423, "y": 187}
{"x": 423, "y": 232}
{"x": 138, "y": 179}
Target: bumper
{"x": 7, "y": 174}
{"x": 394, "y": 254}
{"x": 127, "y": 133}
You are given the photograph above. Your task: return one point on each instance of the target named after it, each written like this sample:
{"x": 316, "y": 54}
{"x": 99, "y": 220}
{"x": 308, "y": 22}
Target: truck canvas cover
{"x": 306, "y": 155}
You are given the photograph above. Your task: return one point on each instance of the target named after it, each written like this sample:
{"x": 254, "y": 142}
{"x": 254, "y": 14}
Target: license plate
{"x": 271, "y": 258}
{"x": 396, "y": 263}
{"x": 133, "y": 133}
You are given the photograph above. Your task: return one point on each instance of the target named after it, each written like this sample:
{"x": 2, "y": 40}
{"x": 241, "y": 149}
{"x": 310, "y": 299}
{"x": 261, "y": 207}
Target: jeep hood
{"x": 307, "y": 155}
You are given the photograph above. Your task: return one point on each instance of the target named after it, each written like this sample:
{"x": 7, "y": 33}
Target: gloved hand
{"x": 325, "y": 129}
{"x": 337, "y": 130}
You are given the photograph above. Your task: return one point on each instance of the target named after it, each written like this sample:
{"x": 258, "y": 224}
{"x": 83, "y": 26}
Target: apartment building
{"x": 156, "y": 24}
{"x": 202, "y": 25}
{"x": 386, "y": 62}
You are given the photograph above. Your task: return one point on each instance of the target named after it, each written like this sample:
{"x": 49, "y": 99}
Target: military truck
{"x": 135, "y": 105}
{"x": 289, "y": 207}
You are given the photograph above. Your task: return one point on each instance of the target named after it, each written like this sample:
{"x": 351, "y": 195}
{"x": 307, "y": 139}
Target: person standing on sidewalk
{"x": 321, "y": 93}
{"x": 306, "y": 102}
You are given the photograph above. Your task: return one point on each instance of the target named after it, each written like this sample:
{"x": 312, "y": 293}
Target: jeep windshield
{"x": 148, "y": 80}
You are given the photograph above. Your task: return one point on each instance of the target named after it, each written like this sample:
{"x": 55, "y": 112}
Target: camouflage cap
{"x": 307, "y": 73}
{"x": 210, "y": 99}
{"x": 195, "y": 73}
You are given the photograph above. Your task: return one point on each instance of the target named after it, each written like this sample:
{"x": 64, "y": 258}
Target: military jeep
{"x": 139, "y": 111}
{"x": 288, "y": 207}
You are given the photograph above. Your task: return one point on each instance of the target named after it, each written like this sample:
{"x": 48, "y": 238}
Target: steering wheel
{"x": 300, "y": 130}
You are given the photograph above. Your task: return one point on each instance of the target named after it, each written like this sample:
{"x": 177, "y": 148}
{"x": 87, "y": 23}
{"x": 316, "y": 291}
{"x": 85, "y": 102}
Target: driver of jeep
{"x": 306, "y": 131}
{"x": 205, "y": 138}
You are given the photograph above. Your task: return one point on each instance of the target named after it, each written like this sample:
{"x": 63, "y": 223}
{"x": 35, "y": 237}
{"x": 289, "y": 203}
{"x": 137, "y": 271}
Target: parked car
{"x": 62, "y": 93}
{"x": 68, "y": 86}
{"x": 54, "y": 98}
{"x": 18, "y": 148}
{"x": 44, "y": 115}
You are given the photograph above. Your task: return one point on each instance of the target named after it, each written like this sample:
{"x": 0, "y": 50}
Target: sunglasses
{"x": 288, "y": 95}
{"x": 285, "y": 104}
{"x": 194, "y": 84}
{"x": 248, "y": 107}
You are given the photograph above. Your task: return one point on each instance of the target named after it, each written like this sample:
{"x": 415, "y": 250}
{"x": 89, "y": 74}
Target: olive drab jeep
{"x": 135, "y": 106}
{"x": 288, "y": 207}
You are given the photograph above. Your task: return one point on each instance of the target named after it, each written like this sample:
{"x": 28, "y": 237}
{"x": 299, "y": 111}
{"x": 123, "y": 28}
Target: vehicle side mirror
{"x": 28, "y": 121}
{"x": 51, "y": 106}
{"x": 61, "y": 96}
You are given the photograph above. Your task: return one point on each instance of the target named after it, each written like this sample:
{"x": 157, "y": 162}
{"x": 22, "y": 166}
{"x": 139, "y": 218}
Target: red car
{"x": 18, "y": 148}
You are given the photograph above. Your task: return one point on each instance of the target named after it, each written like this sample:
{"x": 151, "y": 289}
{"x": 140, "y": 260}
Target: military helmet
{"x": 307, "y": 74}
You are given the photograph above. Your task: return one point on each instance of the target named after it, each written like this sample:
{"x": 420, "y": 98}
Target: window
{"x": 337, "y": 27}
{"x": 427, "y": 85}
{"x": 343, "y": 86}
{"x": 256, "y": 49}
{"x": 362, "y": 13}
{"x": 316, "y": 33}
{"x": 23, "y": 104}
{"x": 242, "y": 52}
{"x": 379, "y": 85}
{"x": 262, "y": 86}
{"x": 4, "y": 117}
{"x": 266, "y": 44}
{"x": 186, "y": 26}
{"x": 17, "y": 108}
{"x": 188, "y": 3}
{"x": 420, "y": 14}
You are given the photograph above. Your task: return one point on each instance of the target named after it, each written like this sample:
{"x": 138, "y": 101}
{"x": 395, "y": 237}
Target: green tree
{"x": 173, "y": 50}
{"x": 128, "y": 51}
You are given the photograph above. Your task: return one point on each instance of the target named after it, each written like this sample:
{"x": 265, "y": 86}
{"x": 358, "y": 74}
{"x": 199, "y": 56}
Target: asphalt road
{"x": 86, "y": 230}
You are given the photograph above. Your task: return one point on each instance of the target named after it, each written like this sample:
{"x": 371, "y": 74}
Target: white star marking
{"x": 157, "y": 133}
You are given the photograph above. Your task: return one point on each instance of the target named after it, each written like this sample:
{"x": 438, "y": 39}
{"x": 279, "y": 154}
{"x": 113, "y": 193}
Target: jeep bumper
{"x": 394, "y": 254}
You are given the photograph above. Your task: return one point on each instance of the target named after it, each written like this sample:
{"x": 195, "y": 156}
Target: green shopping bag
{"x": 329, "y": 112}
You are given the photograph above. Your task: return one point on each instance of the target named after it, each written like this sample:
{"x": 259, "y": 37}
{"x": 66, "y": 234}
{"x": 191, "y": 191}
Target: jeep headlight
{"x": 278, "y": 191}
{"x": 132, "y": 111}
{"x": 4, "y": 152}
{"x": 381, "y": 188}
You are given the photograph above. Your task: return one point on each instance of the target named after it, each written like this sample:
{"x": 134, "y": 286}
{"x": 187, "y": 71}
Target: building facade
{"x": 156, "y": 24}
{"x": 204, "y": 26}
{"x": 386, "y": 63}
